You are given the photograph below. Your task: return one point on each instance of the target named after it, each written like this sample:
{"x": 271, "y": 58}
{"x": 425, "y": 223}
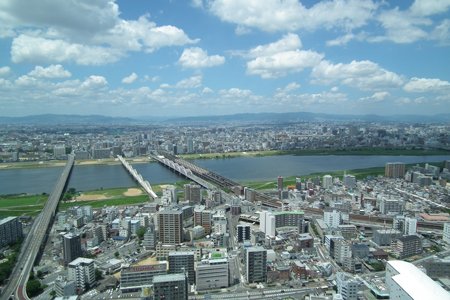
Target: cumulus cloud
{"x": 198, "y": 58}
{"x": 376, "y": 97}
{"x": 281, "y": 58}
{"x": 26, "y": 48}
{"x": 414, "y": 23}
{"x": 423, "y": 85}
{"x": 190, "y": 83}
{"x": 130, "y": 78}
{"x": 52, "y": 71}
{"x": 142, "y": 34}
{"x": 365, "y": 75}
{"x": 5, "y": 70}
{"x": 292, "y": 15}
{"x": 94, "y": 82}
{"x": 84, "y": 32}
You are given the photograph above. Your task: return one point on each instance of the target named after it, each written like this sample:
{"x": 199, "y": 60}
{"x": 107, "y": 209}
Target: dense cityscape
{"x": 30, "y": 143}
{"x": 311, "y": 237}
{"x": 225, "y": 150}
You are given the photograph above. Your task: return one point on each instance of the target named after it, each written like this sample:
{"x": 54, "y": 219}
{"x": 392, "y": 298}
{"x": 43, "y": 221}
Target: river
{"x": 91, "y": 177}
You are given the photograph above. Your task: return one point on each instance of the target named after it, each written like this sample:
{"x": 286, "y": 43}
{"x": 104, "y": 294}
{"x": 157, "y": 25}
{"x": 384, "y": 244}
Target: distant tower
{"x": 280, "y": 183}
{"x": 298, "y": 184}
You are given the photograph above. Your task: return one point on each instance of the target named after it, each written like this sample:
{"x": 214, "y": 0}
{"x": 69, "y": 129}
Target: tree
{"x": 34, "y": 288}
{"x": 98, "y": 274}
{"x": 117, "y": 254}
{"x": 140, "y": 232}
{"x": 53, "y": 294}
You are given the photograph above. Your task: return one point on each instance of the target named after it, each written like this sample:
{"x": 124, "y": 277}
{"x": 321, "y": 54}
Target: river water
{"x": 90, "y": 177}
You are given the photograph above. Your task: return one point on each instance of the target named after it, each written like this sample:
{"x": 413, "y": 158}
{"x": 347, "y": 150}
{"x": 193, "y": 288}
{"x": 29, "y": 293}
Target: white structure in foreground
{"x": 405, "y": 281}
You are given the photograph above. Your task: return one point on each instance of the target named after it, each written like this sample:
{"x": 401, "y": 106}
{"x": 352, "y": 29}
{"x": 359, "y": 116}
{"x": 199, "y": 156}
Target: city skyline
{"x": 151, "y": 58}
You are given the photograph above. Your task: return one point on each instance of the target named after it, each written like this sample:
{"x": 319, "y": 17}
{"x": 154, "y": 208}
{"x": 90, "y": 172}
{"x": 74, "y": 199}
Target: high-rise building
{"x": 446, "y": 233}
{"x": 347, "y": 286}
{"x": 82, "y": 271}
{"x": 327, "y": 182}
{"x": 10, "y": 230}
{"x": 256, "y": 264}
{"x": 71, "y": 247}
{"x": 182, "y": 262}
{"x": 243, "y": 233}
{"x": 170, "y": 286}
{"x": 332, "y": 218}
{"x": 280, "y": 183}
{"x": 391, "y": 206}
{"x": 213, "y": 273}
{"x": 342, "y": 251}
{"x": 150, "y": 237}
{"x": 395, "y": 170}
{"x": 59, "y": 151}
{"x": 203, "y": 217}
{"x": 298, "y": 184}
{"x": 349, "y": 181}
{"x": 192, "y": 193}
{"x": 267, "y": 223}
{"x": 406, "y": 281}
{"x": 170, "y": 223}
{"x": 407, "y": 246}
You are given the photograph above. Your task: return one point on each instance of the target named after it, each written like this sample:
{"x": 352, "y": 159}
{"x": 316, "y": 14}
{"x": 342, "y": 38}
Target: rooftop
{"x": 416, "y": 283}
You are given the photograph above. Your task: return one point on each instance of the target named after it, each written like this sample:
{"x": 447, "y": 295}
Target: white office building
{"x": 404, "y": 281}
{"x": 347, "y": 286}
{"x": 82, "y": 271}
{"x": 327, "y": 182}
{"x": 332, "y": 218}
{"x": 267, "y": 223}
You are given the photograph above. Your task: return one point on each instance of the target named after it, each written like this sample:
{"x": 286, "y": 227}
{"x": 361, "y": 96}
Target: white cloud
{"x": 242, "y": 30}
{"x": 5, "y": 70}
{"x": 130, "y": 78}
{"x": 428, "y": 8}
{"x": 423, "y": 85}
{"x": 190, "y": 83}
{"x": 26, "y": 48}
{"x": 281, "y": 58}
{"x": 376, "y": 97}
{"x": 282, "y": 63}
{"x": 291, "y": 15}
{"x": 365, "y": 75}
{"x": 84, "y": 17}
{"x": 142, "y": 34}
{"x": 52, "y": 71}
{"x": 84, "y": 32}
{"x": 94, "y": 82}
{"x": 198, "y": 58}
{"x": 286, "y": 43}
{"x": 401, "y": 27}
{"x": 414, "y": 23}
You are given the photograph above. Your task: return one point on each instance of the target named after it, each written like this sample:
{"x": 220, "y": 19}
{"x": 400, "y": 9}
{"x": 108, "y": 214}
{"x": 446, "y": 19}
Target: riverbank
{"x": 314, "y": 152}
{"x": 62, "y": 163}
{"x": 25, "y": 204}
{"x": 320, "y": 152}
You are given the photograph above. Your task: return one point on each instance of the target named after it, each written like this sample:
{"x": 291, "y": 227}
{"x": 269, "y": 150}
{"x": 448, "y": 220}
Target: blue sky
{"x": 207, "y": 57}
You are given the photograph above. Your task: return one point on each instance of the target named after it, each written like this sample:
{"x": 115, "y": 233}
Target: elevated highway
{"x": 34, "y": 244}
{"x": 138, "y": 177}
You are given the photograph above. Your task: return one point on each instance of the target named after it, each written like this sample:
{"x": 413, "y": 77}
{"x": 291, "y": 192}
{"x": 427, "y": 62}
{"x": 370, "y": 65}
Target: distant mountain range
{"x": 53, "y": 119}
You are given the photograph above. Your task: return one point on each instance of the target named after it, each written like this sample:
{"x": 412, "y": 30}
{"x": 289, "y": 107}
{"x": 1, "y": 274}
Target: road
{"x": 34, "y": 240}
